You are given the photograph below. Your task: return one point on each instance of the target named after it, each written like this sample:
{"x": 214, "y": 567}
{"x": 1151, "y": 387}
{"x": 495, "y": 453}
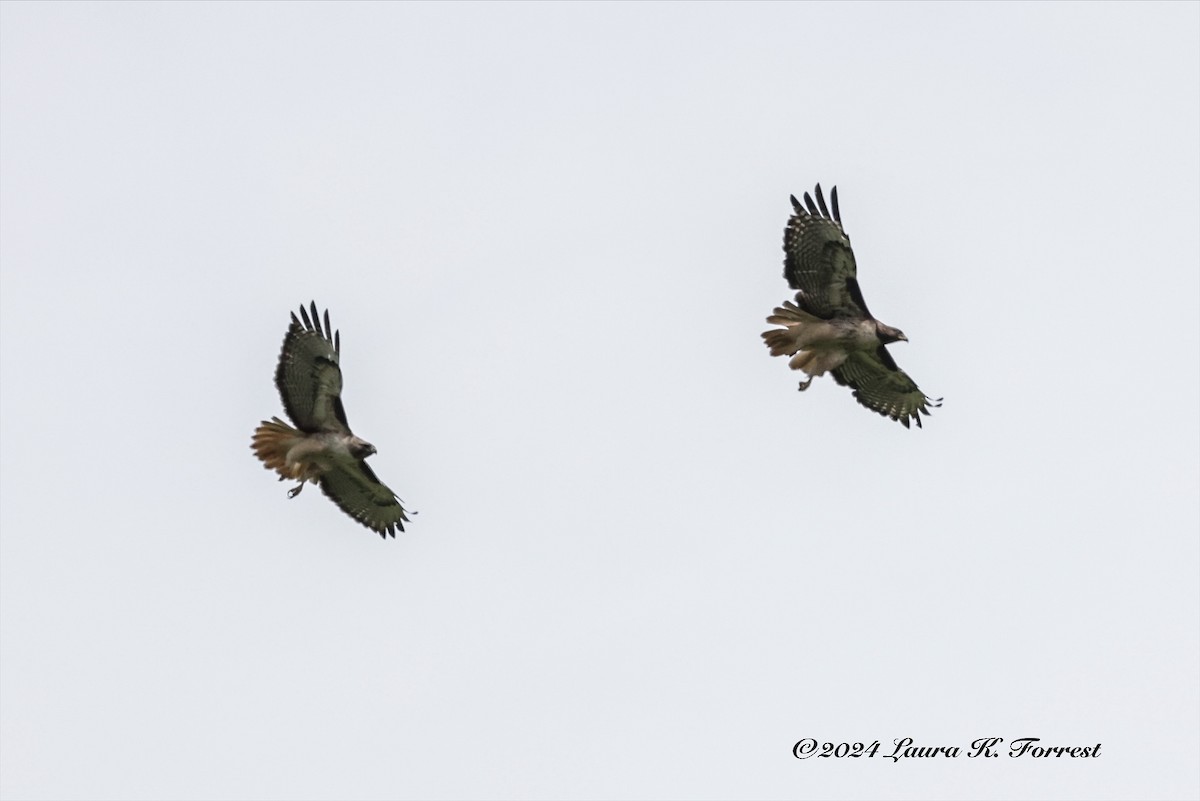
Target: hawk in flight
{"x": 322, "y": 448}
{"x": 828, "y": 328}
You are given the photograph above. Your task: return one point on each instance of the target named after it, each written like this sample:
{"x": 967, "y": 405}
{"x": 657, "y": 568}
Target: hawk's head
{"x": 360, "y": 448}
{"x": 888, "y": 334}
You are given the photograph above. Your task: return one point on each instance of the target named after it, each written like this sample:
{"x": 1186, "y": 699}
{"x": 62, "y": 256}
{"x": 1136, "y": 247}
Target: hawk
{"x": 322, "y": 448}
{"x": 828, "y": 328}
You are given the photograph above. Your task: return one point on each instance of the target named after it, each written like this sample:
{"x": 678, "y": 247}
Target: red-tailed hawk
{"x": 321, "y": 448}
{"x": 828, "y": 328}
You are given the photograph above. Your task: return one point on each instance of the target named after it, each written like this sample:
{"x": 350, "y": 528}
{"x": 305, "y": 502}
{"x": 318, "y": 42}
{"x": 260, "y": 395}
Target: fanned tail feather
{"x": 271, "y": 442}
{"x": 780, "y": 341}
{"x": 808, "y": 339}
{"x": 790, "y": 314}
{"x": 786, "y": 341}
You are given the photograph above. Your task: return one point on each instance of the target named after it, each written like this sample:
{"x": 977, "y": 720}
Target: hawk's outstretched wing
{"x": 819, "y": 260}
{"x": 308, "y": 376}
{"x": 354, "y": 487}
{"x": 881, "y": 386}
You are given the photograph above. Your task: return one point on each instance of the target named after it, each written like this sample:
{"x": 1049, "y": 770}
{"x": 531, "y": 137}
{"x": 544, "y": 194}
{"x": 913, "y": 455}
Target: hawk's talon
{"x": 294, "y": 491}
{"x": 804, "y": 384}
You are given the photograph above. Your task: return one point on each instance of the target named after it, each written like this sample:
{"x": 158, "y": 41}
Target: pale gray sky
{"x": 644, "y": 565}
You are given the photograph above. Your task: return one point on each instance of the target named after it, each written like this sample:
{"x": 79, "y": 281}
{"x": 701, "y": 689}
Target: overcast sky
{"x": 643, "y": 564}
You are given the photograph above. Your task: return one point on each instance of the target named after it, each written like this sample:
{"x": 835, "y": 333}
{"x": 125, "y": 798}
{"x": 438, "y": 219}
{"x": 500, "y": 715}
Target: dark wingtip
{"x": 821, "y": 202}
{"x": 808, "y": 201}
{"x": 796, "y": 203}
{"x": 316, "y": 319}
{"x": 837, "y": 215}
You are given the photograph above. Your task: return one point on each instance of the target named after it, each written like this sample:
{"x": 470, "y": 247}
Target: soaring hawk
{"x": 828, "y": 328}
{"x": 321, "y": 448}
